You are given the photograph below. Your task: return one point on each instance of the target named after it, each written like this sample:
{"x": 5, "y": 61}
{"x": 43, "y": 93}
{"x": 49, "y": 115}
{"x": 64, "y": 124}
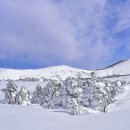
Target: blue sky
{"x": 78, "y": 33}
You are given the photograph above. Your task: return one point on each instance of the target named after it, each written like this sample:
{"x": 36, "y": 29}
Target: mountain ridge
{"x": 55, "y": 72}
{"x": 121, "y": 67}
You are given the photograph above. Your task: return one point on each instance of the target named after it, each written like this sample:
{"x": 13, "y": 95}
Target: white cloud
{"x": 39, "y": 27}
{"x": 122, "y": 25}
{"x": 123, "y": 14}
{"x": 56, "y": 32}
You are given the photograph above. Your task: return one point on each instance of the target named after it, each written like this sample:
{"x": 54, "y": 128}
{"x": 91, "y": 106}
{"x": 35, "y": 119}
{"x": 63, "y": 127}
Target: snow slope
{"x": 37, "y": 118}
{"x": 55, "y": 72}
{"x": 121, "y": 68}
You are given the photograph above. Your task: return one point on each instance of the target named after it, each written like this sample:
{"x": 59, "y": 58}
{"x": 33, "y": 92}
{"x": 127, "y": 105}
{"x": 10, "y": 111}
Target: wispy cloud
{"x": 55, "y": 32}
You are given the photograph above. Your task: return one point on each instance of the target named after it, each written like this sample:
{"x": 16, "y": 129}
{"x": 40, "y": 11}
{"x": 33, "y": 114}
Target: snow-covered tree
{"x": 74, "y": 93}
{"x": 10, "y": 93}
{"x": 37, "y": 95}
{"x": 52, "y": 95}
{"x": 73, "y": 87}
{"x": 23, "y": 97}
{"x": 73, "y": 106}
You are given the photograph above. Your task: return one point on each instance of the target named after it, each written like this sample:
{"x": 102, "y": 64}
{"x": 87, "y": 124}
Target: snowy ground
{"x": 14, "y": 117}
{"x": 37, "y": 118}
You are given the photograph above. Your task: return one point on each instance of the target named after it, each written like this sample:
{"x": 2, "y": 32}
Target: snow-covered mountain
{"x": 119, "y": 68}
{"x": 55, "y": 72}
{"x": 62, "y": 72}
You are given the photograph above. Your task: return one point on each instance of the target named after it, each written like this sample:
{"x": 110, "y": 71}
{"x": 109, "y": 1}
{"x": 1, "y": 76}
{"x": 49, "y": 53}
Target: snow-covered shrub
{"x": 23, "y": 97}
{"x": 10, "y": 93}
